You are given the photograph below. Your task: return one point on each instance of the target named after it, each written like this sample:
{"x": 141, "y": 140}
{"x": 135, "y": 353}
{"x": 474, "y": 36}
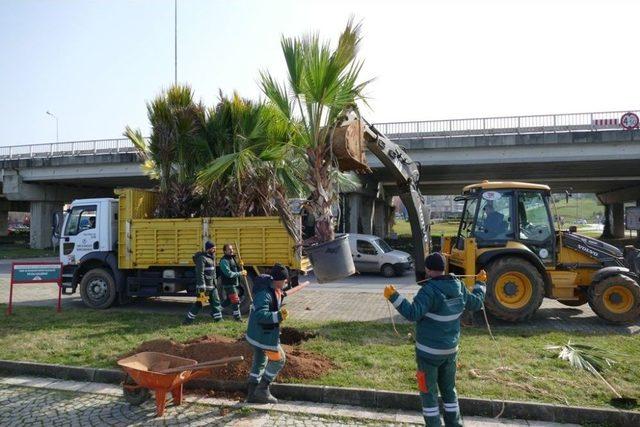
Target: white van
{"x": 374, "y": 255}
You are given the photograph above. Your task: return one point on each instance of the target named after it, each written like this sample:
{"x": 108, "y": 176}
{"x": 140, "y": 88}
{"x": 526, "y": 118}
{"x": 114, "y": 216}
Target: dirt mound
{"x": 300, "y": 364}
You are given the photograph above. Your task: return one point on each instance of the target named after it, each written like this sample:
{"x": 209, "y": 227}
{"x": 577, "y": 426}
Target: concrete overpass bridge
{"x": 587, "y": 152}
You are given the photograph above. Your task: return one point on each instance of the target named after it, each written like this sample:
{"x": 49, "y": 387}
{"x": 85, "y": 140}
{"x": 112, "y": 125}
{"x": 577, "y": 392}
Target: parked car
{"x": 373, "y": 255}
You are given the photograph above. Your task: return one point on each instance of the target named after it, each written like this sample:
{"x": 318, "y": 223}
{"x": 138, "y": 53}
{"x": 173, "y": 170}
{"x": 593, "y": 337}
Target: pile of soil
{"x": 300, "y": 364}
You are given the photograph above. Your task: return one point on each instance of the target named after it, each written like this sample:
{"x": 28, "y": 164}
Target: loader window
{"x": 533, "y": 217}
{"x": 494, "y": 216}
{"x": 468, "y": 217}
{"x": 81, "y": 218}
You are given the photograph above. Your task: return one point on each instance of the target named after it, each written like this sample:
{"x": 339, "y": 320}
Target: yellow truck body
{"x": 145, "y": 242}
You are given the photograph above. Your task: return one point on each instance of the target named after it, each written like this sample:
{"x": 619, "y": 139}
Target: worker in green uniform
{"x": 230, "y": 274}
{"x": 436, "y": 309}
{"x": 205, "y": 284}
{"x": 263, "y": 333}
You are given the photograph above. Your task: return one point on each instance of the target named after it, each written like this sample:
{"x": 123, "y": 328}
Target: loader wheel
{"x": 98, "y": 288}
{"x": 515, "y": 289}
{"x": 615, "y": 299}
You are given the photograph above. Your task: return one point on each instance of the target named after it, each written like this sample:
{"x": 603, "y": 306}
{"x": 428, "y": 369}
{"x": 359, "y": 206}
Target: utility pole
{"x": 175, "y": 42}
{"x": 53, "y": 115}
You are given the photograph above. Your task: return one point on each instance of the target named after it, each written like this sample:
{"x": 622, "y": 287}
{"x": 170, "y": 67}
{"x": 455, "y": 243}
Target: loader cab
{"x": 503, "y": 215}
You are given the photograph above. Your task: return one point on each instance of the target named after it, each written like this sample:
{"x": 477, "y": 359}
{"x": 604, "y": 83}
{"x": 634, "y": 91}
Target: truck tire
{"x": 387, "y": 270}
{"x": 243, "y": 294}
{"x": 615, "y": 299}
{"x": 515, "y": 289}
{"x": 98, "y": 288}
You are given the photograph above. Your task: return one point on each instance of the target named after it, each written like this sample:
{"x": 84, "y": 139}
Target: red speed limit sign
{"x": 629, "y": 121}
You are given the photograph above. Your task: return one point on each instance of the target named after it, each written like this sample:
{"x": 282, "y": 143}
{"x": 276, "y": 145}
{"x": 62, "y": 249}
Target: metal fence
{"x": 602, "y": 121}
{"x": 71, "y": 148}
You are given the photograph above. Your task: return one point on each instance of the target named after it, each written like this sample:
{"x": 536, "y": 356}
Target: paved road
{"x": 27, "y": 401}
{"x": 356, "y": 298}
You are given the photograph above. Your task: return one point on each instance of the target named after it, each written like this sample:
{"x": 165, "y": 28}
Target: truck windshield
{"x": 80, "y": 218}
{"x": 384, "y": 246}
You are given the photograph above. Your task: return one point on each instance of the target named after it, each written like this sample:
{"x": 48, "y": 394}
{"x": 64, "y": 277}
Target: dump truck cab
{"x": 507, "y": 228}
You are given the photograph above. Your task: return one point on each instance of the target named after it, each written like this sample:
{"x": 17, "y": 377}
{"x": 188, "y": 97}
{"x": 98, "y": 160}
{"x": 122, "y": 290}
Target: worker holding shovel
{"x": 436, "y": 309}
{"x": 230, "y": 274}
{"x": 205, "y": 284}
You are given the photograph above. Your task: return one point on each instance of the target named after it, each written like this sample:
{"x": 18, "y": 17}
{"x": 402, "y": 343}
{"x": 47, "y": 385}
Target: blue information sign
{"x": 28, "y": 273}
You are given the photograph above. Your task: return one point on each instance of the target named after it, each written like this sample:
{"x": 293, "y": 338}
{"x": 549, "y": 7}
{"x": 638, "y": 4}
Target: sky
{"x": 94, "y": 64}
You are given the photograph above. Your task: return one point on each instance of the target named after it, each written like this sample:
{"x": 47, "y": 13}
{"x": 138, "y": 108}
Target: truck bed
{"x": 145, "y": 242}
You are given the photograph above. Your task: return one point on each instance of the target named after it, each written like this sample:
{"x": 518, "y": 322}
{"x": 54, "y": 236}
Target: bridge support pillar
{"x": 367, "y": 212}
{"x": 41, "y": 221}
{"x": 617, "y": 213}
{"x": 380, "y": 219}
{"x": 4, "y": 223}
{"x": 355, "y": 203}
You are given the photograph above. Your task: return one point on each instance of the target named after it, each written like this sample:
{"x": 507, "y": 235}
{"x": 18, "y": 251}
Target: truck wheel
{"x": 615, "y": 299}
{"x": 387, "y": 270}
{"x": 243, "y": 294}
{"x": 515, "y": 289}
{"x": 98, "y": 288}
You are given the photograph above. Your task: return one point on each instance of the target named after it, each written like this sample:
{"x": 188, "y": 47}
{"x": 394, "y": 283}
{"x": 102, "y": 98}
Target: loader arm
{"x": 406, "y": 174}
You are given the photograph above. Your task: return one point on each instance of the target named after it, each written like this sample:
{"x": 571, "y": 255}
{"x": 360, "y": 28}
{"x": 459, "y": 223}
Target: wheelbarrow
{"x": 163, "y": 373}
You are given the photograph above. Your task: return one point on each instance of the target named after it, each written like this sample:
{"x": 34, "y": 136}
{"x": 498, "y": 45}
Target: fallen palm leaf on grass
{"x": 593, "y": 360}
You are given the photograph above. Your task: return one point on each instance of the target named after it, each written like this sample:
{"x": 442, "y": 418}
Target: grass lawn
{"x": 21, "y": 251}
{"x": 367, "y": 354}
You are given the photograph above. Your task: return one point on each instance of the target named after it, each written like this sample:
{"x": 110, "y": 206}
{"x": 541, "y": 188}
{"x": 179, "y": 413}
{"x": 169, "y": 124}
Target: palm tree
{"x": 323, "y": 83}
{"x": 171, "y": 153}
{"x": 253, "y": 166}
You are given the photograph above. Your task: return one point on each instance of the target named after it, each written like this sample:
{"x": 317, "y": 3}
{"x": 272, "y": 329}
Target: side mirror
{"x": 56, "y": 224}
{"x": 568, "y": 194}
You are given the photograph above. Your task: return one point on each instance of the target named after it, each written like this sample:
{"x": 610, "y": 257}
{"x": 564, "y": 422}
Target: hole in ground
{"x": 293, "y": 336}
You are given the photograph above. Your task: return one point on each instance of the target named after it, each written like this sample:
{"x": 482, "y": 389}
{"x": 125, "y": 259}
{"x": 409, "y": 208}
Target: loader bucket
{"x": 349, "y": 147}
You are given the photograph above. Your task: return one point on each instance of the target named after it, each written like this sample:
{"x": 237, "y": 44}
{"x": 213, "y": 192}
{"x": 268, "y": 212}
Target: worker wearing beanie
{"x": 436, "y": 309}
{"x": 205, "y": 284}
{"x": 263, "y": 333}
{"x": 230, "y": 274}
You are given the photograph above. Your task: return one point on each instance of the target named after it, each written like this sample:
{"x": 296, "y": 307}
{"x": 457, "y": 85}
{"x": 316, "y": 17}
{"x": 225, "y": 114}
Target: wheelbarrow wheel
{"x": 135, "y": 395}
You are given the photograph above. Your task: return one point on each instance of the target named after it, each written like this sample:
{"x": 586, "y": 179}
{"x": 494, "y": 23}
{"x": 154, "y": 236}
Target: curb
{"x": 354, "y": 396}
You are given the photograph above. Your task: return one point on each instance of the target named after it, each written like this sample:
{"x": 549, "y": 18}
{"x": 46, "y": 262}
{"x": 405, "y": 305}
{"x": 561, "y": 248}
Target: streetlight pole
{"x": 54, "y": 116}
{"x": 175, "y": 42}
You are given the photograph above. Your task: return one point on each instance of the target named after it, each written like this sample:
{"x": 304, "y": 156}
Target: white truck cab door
{"x": 366, "y": 257}
{"x": 80, "y": 235}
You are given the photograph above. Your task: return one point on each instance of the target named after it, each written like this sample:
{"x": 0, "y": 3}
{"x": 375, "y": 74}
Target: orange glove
{"x": 243, "y": 272}
{"x": 482, "y": 276}
{"x": 284, "y": 313}
{"x": 389, "y": 290}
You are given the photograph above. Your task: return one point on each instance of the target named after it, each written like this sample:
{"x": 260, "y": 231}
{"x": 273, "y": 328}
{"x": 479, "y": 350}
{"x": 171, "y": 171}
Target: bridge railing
{"x": 71, "y": 148}
{"x": 598, "y": 121}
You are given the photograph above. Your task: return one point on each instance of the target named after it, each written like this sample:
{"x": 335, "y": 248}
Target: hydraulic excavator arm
{"x": 405, "y": 172}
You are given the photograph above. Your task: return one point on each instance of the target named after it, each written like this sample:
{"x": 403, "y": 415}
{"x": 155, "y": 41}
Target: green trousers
{"x": 434, "y": 374}
{"x": 264, "y": 368}
{"x": 233, "y": 300}
{"x": 214, "y": 303}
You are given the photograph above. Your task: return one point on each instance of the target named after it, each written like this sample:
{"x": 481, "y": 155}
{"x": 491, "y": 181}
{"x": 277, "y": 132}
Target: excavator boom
{"x": 349, "y": 148}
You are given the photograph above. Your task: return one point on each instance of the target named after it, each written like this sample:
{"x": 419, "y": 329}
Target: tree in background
{"x": 323, "y": 83}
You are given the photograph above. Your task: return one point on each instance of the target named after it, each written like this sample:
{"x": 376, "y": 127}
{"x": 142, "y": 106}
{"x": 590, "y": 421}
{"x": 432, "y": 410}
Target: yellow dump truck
{"x": 113, "y": 249}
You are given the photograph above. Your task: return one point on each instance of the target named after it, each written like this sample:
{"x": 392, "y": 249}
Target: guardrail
{"x": 600, "y": 121}
{"x": 71, "y": 148}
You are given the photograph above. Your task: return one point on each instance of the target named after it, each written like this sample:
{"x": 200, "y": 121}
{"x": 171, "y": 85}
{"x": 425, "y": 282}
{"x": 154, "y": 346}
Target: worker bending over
{"x": 230, "y": 274}
{"x": 436, "y": 309}
{"x": 205, "y": 284}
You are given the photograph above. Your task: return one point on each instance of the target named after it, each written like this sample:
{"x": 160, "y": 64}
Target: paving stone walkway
{"x": 32, "y": 401}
